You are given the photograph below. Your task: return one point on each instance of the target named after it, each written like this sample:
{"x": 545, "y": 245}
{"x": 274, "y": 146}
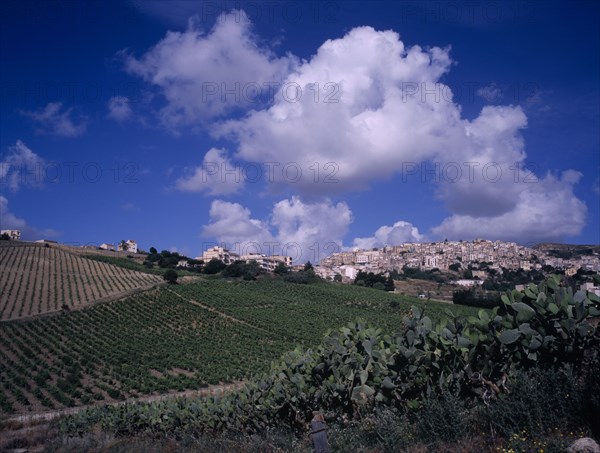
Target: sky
{"x": 299, "y": 128}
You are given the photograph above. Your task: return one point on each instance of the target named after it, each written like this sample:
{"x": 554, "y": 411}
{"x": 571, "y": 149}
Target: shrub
{"x": 539, "y": 402}
{"x": 170, "y": 276}
{"x": 442, "y": 417}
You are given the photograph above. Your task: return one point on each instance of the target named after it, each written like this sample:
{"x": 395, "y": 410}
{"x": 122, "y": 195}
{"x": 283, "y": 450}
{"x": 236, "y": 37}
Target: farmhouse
{"x": 128, "y": 246}
{"x": 14, "y": 235}
{"x": 108, "y": 247}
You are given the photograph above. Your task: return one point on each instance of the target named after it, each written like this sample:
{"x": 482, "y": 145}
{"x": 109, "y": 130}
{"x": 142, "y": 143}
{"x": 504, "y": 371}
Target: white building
{"x": 468, "y": 283}
{"x": 107, "y": 247}
{"x": 14, "y": 235}
{"x": 349, "y": 272}
{"x": 268, "y": 263}
{"x": 128, "y": 246}
{"x": 219, "y": 253}
{"x": 324, "y": 272}
{"x": 361, "y": 259}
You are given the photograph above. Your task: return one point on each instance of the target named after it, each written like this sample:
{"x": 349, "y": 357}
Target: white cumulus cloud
{"x": 216, "y": 176}
{"x": 362, "y": 107}
{"x": 546, "y": 210}
{"x": 398, "y": 233}
{"x": 203, "y": 75}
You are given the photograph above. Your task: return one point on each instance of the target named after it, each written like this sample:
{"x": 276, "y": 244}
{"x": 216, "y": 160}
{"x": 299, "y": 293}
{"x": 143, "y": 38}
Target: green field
{"x": 177, "y": 338}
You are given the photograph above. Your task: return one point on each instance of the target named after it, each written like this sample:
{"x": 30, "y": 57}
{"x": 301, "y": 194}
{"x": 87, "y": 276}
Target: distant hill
{"x": 567, "y": 251}
{"x": 39, "y": 278}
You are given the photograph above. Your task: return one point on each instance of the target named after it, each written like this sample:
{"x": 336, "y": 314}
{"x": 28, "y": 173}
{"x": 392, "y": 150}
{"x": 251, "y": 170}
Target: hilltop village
{"x": 482, "y": 257}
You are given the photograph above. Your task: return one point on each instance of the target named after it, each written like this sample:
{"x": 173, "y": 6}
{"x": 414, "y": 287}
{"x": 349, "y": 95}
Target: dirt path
{"x": 205, "y": 392}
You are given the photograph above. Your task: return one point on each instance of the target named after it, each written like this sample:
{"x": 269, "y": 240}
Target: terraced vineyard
{"x": 35, "y": 279}
{"x": 174, "y": 339}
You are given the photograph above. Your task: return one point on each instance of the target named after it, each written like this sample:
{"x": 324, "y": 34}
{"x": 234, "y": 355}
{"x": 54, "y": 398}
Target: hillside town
{"x": 479, "y": 259}
{"x": 452, "y": 255}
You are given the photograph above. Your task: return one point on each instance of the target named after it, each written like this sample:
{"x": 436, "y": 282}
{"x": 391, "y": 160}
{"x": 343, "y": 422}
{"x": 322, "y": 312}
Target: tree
{"x": 214, "y": 266}
{"x": 379, "y": 285}
{"x": 337, "y": 278}
{"x": 153, "y": 251}
{"x": 302, "y": 277}
{"x": 280, "y": 269}
{"x": 235, "y": 269}
{"x": 308, "y": 266}
{"x": 170, "y": 276}
{"x": 454, "y": 267}
{"x": 389, "y": 284}
{"x": 5, "y": 237}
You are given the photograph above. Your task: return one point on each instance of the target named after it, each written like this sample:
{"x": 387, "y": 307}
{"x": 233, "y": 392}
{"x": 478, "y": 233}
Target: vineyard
{"x": 175, "y": 338}
{"x": 35, "y": 279}
{"x": 303, "y": 313}
{"x": 150, "y": 343}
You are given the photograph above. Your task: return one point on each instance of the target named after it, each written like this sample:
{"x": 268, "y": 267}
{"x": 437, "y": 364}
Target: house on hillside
{"x": 325, "y": 272}
{"x": 220, "y": 253}
{"x": 128, "y": 246}
{"x": 267, "y": 263}
{"x": 349, "y": 272}
{"x": 110, "y": 247}
{"x": 13, "y": 235}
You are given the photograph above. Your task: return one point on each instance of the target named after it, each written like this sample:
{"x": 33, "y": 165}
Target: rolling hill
{"x": 42, "y": 278}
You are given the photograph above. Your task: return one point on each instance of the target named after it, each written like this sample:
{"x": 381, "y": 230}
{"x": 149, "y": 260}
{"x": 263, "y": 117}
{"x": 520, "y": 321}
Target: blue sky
{"x": 299, "y": 127}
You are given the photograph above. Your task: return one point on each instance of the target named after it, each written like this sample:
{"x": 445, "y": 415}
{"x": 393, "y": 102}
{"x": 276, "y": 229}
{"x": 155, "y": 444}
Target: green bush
{"x": 539, "y": 402}
{"x": 443, "y": 418}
